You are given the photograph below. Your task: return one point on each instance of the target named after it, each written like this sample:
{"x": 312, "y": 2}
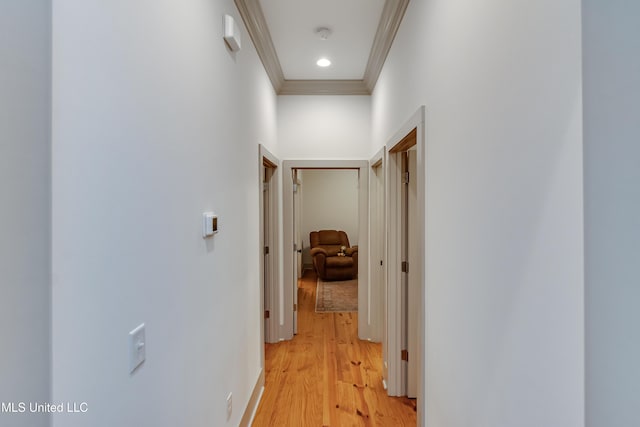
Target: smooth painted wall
{"x": 155, "y": 121}
{"x": 25, "y": 230}
{"x": 501, "y": 82}
{"x": 324, "y": 127}
{"x": 329, "y": 202}
{"x": 611, "y": 43}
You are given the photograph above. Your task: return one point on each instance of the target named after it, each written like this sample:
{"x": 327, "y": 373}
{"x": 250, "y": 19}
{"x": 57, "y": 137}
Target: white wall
{"x": 612, "y": 210}
{"x": 25, "y": 232}
{"x": 155, "y": 122}
{"x": 329, "y": 202}
{"x": 501, "y": 82}
{"x": 324, "y": 127}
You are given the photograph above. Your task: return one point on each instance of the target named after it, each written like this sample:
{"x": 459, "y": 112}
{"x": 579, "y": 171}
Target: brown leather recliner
{"x": 326, "y": 245}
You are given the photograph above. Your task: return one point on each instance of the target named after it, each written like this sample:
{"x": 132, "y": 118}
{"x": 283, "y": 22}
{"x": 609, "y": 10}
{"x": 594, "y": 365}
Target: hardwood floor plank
{"x": 326, "y": 376}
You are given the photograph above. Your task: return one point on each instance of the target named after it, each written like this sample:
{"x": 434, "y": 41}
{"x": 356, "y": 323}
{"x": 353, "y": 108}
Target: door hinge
{"x": 380, "y": 262}
{"x": 265, "y": 186}
{"x": 404, "y": 355}
{"x": 405, "y": 178}
{"x": 405, "y": 267}
{"x": 295, "y": 307}
{"x": 266, "y": 314}
{"x": 266, "y": 250}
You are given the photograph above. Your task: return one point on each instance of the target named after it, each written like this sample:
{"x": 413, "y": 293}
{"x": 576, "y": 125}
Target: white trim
{"x": 363, "y": 238}
{"x": 376, "y": 290}
{"x": 392, "y": 15}
{"x": 378, "y": 157}
{"x": 254, "y": 401}
{"x": 394, "y": 321}
{"x": 323, "y": 87}
{"x": 394, "y": 277}
{"x": 256, "y": 25}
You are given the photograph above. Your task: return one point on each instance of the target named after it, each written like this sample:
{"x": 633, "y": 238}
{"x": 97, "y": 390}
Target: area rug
{"x": 336, "y": 297}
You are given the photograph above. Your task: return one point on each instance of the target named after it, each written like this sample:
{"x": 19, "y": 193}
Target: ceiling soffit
{"x": 253, "y": 17}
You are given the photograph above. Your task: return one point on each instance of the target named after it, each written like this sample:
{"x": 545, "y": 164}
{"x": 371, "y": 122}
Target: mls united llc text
{"x": 46, "y": 407}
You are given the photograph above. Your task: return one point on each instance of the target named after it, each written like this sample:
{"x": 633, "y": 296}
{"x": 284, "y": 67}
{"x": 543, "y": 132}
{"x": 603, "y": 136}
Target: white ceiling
{"x": 292, "y": 23}
{"x": 284, "y": 35}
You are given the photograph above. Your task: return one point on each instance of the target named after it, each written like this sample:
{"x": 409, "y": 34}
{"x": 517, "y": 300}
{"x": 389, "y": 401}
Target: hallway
{"x": 125, "y": 125}
{"x": 326, "y": 376}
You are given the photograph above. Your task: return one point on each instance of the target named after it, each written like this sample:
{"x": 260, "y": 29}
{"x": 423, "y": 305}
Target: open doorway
{"x": 292, "y": 244}
{"x": 325, "y": 199}
{"x": 326, "y": 225}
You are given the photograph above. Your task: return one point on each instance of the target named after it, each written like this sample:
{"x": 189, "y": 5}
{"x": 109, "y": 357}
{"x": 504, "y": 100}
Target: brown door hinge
{"x": 405, "y": 267}
{"x": 266, "y": 314}
{"x": 404, "y": 355}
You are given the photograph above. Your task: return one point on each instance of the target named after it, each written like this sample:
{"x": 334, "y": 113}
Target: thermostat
{"x": 209, "y": 224}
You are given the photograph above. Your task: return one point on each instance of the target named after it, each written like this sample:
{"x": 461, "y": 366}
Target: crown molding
{"x": 256, "y": 24}
{"x": 392, "y": 15}
{"x": 323, "y": 87}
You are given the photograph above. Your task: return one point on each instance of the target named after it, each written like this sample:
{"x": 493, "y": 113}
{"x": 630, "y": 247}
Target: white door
{"x": 410, "y": 268}
{"x": 267, "y": 248}
{"x": 378, "y": 298}
{"x": 297, "y": 201}
{"x": 296, "y": 233}
{"x": 413, "y": 294}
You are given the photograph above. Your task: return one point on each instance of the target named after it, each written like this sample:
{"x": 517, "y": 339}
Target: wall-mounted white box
{"x": 231, "y": 33}
{"x": 209, "y": 224}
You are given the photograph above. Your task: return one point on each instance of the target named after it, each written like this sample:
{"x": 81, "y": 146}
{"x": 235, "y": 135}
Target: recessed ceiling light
{"x": 323, "y": 62}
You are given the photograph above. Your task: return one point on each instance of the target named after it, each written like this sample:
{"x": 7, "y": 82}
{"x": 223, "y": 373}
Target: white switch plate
{"x": 137, "y": 345}
{"x": 229, "y": 405}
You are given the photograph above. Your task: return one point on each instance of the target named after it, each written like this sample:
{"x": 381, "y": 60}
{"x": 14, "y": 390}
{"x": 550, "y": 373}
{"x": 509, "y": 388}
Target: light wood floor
{"x": 326, "y": 376}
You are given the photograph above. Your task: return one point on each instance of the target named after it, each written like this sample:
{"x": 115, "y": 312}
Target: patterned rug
{"x": 338, "y": 296}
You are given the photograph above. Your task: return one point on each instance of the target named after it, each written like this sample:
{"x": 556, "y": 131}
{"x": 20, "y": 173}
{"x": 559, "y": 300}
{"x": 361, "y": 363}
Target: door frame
{"x": 267, "y": 301}
{"x": 377, "y": 236}
{"x": 289, "y": 280}
{"x": 378, "y": 254}
{"x": 393, "y": 180}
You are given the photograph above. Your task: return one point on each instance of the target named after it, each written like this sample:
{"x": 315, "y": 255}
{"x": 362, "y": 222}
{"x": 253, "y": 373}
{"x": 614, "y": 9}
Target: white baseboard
{"x": 254, "y": 401}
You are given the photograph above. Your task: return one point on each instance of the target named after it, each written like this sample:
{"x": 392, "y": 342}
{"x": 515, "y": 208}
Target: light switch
{"x": 137, "y": 344}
